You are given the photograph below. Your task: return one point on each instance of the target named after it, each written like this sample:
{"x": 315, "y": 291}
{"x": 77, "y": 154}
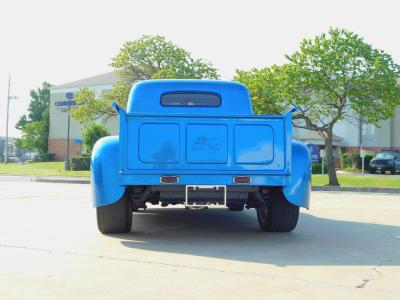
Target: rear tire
{"x": 116, "y": 217}
{"x": 278, "y": 215}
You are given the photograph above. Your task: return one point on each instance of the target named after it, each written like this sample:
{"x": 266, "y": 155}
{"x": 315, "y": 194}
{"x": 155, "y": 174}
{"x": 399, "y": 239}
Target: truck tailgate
{"x": 200, "y": 145}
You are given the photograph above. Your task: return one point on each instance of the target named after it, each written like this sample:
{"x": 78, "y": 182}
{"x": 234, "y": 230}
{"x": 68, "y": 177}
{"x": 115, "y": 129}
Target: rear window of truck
{"x": 191, "y": 99}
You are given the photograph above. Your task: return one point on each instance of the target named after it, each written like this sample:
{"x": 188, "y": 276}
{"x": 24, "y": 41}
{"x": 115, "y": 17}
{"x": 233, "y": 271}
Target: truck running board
{"x": 204, "y": 202}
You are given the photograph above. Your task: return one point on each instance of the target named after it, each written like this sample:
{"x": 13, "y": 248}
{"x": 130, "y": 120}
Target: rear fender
{"x": 104, "y": 169}
{"x": 298, "y": 192}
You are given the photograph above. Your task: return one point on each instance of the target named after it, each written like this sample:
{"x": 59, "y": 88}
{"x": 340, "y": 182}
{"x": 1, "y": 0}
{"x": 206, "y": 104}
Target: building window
{"x": 368, "y": 129}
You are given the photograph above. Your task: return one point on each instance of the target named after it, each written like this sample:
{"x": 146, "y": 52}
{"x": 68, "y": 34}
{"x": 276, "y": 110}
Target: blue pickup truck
{"x": 197, "y": 143}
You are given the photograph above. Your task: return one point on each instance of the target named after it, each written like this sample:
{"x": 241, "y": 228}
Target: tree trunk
{"x": 330, "y": 160}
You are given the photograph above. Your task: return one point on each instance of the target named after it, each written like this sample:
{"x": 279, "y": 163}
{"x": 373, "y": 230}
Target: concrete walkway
{"x": 347, "y": 246}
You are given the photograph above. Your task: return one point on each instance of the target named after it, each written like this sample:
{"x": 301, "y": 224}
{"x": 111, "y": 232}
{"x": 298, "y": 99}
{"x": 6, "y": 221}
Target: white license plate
{"x": 204, "y": 187}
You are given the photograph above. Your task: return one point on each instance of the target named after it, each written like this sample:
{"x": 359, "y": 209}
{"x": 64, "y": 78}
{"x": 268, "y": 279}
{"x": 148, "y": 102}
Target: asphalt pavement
{"x": 346, "y": 246}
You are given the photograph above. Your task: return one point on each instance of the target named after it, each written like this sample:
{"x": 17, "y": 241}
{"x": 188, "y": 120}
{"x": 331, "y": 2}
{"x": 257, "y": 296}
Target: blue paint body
{"x": 201, "y": 145}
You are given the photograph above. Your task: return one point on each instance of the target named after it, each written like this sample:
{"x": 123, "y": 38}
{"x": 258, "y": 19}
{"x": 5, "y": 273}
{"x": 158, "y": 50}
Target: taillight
{"x": 242, "y": 179}
{"x": 169, "y": 179}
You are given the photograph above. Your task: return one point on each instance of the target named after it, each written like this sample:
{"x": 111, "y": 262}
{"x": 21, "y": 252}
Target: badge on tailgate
{"x": 206, "y": 143}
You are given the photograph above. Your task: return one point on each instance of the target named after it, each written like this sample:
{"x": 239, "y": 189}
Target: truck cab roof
{"x": 189, "y": 97}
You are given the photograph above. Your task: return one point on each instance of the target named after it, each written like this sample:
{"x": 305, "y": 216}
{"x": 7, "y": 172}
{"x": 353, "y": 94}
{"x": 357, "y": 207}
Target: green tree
{"x": 34, "y": 137}
{"x": 92, "y": 133}
{"x": 21, "y": 122}
{"x": 332, "y": 77}
{"x": 155, "y": 57}
{"x": 264, "y": 88}
{"x": 150, "y": 57}
{"x": 35, "y": 125}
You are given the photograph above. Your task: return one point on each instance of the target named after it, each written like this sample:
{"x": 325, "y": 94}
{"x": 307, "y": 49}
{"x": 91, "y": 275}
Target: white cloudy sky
{"x": 64, "y": 40}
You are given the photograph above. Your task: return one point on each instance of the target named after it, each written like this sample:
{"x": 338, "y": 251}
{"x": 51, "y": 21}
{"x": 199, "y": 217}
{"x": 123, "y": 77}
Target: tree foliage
{"x": 92, "y": 134}
{"x": 154, "y": 57}
{"x": 332, "y": 77}
{"x": 35, "y": 125}
{"x": 150, "y": 57}
{"x": 35, "y": 137}
{"x": 339, "y": 74}
{"x": 264, "y": 87}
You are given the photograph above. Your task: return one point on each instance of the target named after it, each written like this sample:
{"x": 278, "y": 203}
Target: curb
{"x": 356, "y": 189}
{"x": 314, "y": 188}
{"x": 62, "y": 180}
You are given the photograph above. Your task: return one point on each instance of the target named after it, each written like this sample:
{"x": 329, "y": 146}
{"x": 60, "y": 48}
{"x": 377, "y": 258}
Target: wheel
{"x": 277, "y": 215}
{"x": 372, "y": 171}
{"x": 116, "y": 217}
{"x": 235, "y": 207}
{"x": 383, "y": 171}
{"x": 393, "y": 171}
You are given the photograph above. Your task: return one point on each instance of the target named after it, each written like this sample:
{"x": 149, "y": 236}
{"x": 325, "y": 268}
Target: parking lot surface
{"x": 346, "y": 246}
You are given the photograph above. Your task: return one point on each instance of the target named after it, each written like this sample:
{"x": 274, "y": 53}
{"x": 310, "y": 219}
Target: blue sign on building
{"x": 65, "y": 103}
{"x": 69, "y": 95}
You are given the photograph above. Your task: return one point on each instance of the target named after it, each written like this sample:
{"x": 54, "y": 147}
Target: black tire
{"x": 372, "y": 171}
{"x": 278, "y": 215}
{"x": 393, "y": 171}
{"x": 383, "y": 171}
{"x": 116, "y": 217}
{"x": 236, "y": 207}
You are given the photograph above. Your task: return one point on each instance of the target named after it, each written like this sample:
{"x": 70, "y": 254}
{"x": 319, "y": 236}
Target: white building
{"x": 59, "y": 103}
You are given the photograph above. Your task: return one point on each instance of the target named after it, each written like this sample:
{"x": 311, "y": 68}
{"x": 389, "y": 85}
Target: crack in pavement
{"x": 378, "y": 274}
{"x": 273, "y": 277}
{"x": 124, "y": 259}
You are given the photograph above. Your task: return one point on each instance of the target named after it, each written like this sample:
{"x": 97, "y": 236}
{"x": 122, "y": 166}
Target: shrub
{"x": 354, "y": 161}
{"x": 349, "y": 160}
{"x": 40, "y": 157}
{"x": 317, "y": 169}
{"x": 80, "y": 163}
{"x": 92, "y": 134}
{"x": 47, "y": 157}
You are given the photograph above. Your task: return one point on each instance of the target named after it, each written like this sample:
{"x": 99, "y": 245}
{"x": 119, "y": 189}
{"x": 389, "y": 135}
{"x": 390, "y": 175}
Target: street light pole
{"x": 67, "y": 166}
{"x": 8, "y": 114}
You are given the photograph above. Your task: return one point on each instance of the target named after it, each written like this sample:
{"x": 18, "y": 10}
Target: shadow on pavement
{"x": 222, "y": 234}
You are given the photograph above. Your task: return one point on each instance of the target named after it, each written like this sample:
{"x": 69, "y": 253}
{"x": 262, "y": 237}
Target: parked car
{"x": 385, "y": 160}
{"x": 197, "y": 143}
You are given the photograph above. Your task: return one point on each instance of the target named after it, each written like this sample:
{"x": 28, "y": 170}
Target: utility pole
{"x": 67, "y": 165}
{"x": 392, "y": 131}
{"x": 360, "y": 133}
{"x": 8, "y": 113}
